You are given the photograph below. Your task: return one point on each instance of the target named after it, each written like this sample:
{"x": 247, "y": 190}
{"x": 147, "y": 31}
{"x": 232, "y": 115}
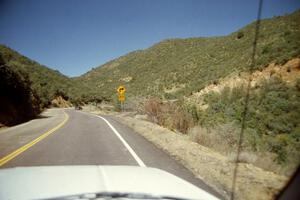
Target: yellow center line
{"x": 33, "y": 142}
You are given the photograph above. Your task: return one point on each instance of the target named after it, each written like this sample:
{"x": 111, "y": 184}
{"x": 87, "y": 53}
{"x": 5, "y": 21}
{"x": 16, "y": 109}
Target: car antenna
{"x": 244, "y": 114}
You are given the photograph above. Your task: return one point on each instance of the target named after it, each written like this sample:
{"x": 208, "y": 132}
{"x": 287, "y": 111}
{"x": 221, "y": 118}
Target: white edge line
{"x": 134, "y": 155}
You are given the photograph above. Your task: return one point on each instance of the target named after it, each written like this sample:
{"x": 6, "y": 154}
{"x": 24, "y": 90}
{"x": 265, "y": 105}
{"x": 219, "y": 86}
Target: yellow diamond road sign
{"x": 121, "y": 97}
{"x": 121, "y": 89}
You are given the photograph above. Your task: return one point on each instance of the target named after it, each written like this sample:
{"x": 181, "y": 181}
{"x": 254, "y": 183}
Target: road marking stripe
{"x": 33, "y": 142}
{"x": 134, "y": 155}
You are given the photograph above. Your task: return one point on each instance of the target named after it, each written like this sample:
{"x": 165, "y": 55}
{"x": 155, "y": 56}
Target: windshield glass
{"x": 189, "y": 99}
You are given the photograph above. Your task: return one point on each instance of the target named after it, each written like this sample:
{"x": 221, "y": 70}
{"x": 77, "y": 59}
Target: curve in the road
{"x": 20, "y": 150}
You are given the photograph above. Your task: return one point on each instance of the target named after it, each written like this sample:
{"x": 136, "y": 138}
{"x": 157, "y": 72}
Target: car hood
{"x": 59, "y": 181}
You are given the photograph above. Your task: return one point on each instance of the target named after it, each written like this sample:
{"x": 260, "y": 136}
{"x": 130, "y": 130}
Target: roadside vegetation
{"x": 28, "y": 87}
{"x": 47, "y": 83}
{"x": 18, "y": 101}
{"x": 272, "y": 131}
{"x": 168, "y": 74}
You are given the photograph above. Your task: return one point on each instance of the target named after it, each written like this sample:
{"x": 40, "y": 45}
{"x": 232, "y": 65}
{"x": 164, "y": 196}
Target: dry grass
{"x": 222, "y": 138}
{"x": 153, "y": 108}
{"x": 168, "y": 114}
{"x": 134, "y": 104}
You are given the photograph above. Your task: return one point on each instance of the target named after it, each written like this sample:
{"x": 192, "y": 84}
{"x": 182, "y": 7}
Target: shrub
{"x": 273, "y": 113}
{"x": 240, "y": 34}
{"x": 172, "y": 115}
{"x": 287, "y": 33}
{"x": 266, "y": 49}
{"x": 153, "y": 108}
{"x": 182, "y": 120}
{"x": 18, "y": 102}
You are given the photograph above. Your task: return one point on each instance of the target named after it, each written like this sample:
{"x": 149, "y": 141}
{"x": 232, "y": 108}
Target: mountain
{"x": 47, "y": 83}
{"x": 178, "y": 67}
{"x": 169, "y": 69}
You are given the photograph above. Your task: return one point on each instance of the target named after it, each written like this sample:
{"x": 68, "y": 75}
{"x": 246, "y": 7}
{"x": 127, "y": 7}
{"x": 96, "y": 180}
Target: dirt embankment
{"x": 289, "y": 72}
{"x": 60, "y": 102}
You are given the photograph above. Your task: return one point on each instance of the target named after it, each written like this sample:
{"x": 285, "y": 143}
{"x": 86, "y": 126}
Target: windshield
{"x": 189, "y": 99}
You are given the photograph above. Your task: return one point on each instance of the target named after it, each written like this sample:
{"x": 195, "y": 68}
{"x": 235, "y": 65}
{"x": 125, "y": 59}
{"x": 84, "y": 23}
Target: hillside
{"x": 206, "y": 79}
{"x": 47, "y": 83}
{"x": 177, "y": 67}
{"x": 18, "y": 102}
{"x": 170, "y": 69}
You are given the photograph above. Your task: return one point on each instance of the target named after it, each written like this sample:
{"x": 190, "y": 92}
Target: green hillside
{"x": 177, "y": 67}
{"x": 18, "y": 102}
{"x": 47, "y": 83}
{"x": 169, "y": 69}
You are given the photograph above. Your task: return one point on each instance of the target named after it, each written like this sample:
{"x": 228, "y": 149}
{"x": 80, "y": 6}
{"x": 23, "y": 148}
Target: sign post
{"x": 121, "y": 96}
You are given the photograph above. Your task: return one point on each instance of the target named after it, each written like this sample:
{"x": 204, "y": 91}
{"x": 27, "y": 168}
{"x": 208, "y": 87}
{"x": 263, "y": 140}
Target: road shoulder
{"x": 15, "y": 140}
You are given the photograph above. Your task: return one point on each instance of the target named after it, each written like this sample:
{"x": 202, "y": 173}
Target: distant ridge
{"x": 177, "y": 67}
{"x": 169, "y": 69}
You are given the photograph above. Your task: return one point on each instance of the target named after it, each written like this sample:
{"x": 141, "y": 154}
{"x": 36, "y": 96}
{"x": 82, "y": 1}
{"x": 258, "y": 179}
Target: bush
{"x": 172, "y": 115}
{"x": 240, "y": 34}
{"x": 182, "y": 120}
{"x": 153, "y": 108}
{"x": 18, "y": 102}
{"x": 273, "y": 113}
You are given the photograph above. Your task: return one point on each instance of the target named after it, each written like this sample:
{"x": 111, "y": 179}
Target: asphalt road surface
{"x": 70, "y": 137}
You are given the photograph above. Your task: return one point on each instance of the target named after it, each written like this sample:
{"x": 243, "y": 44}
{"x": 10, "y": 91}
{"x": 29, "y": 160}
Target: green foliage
{"x": 18, "y": 102}
{"x": 240, "y": 34}
{"x": 62, "y": 93}
{"x": 46, "y": 82}
{"x": 116, "y": 104}
{"x": 170, "y": 69}
{"x": 273, "y": 114}
{"x": 187, "y": 65}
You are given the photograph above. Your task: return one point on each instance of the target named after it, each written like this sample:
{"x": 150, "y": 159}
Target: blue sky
{"x": 73, "y": 36}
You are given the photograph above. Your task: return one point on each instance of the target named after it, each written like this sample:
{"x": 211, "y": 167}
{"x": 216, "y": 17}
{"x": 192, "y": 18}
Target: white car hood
{"x": 60, "y": 181}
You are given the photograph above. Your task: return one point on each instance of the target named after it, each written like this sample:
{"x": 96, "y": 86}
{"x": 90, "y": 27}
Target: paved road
{"x": 83, "y": 139}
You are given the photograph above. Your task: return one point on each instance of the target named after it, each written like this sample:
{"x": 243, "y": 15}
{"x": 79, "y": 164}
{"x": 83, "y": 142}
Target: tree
{"x": 18, "y": 102}
{"x": 240, "y": 34}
